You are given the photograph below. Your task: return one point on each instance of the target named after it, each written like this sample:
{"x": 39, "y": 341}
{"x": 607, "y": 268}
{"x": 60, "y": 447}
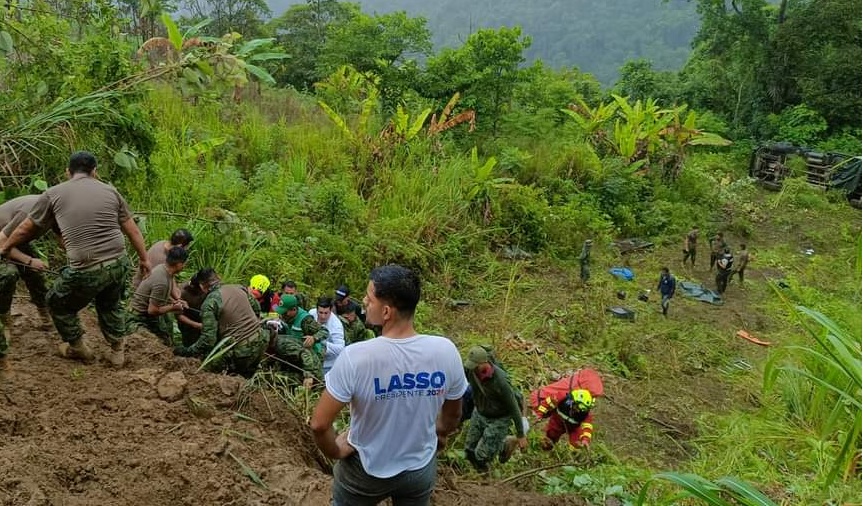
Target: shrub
{"x": 520, "y": 212}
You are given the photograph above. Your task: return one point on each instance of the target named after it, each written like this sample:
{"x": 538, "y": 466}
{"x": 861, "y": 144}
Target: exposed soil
{"x": 158, "y": 433}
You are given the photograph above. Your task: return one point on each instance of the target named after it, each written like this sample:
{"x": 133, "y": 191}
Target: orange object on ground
{"x": 748, "y": 337}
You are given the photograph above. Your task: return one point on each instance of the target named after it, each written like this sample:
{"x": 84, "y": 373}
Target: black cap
{"x": 341, "y": 292}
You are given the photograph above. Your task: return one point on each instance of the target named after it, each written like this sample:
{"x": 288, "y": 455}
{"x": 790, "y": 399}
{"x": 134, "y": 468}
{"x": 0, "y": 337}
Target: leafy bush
{"x": 521, "y": 213}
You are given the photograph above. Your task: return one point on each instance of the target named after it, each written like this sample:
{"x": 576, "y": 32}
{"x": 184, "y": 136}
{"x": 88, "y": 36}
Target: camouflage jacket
{"x": 216, "y": 325}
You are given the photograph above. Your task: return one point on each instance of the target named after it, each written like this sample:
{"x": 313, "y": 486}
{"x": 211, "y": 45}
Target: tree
{"x": 638, "y": 80}
{"x": 302, "y": 32}
{"x": 386, "y": 45}
{"x": 817, "y": 50}
{"x": 143, "y": 15}
{"x": 241, "y": 16}
{"x": 485, "y": 70}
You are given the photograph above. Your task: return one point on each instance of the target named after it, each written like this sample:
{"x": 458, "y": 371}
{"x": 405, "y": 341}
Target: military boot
{"x": 117, "y": 356}
{"x": 509, "y": 445}
{"x": 46, "y": 322}
{"x": 76, "y": 350}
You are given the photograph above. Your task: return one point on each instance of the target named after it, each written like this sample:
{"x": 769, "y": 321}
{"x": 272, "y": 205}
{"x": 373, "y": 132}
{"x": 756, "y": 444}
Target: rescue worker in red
{"x": 569, "y": 415}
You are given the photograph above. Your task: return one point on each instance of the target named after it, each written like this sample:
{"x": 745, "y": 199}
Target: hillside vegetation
{"x": 326, "y": 150}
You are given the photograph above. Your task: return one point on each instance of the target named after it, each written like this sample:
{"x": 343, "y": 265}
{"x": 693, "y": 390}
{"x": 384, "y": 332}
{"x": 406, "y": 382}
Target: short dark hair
{"x": 397, "y": 286}
{"x": 353, "y": 307}
{"x": 206, "y": 275}
{"x": 289, "y": 284}
{"x": 742, "y": 246}
{"x": 325, "y": 301}
{"x": 176, "y": 255}
{"x": 181, "y": 237}
{"x": 82, "y": 162}
{"x": 664, "y": 269}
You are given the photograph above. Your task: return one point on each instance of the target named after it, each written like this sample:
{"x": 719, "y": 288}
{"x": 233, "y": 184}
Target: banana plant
{"x": 483, "y": 185}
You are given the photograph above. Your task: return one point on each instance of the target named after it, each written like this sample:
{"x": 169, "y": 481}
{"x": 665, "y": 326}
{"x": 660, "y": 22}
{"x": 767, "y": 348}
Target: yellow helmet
{"x": 259, "y": 282}
{"x": 582, "y": 400}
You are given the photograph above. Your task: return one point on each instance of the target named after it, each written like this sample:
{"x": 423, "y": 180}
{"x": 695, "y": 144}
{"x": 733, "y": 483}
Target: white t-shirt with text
{"x": 396, "y": 388}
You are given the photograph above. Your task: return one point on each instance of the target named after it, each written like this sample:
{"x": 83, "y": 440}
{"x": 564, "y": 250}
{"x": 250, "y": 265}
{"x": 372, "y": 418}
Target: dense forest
{"x": 595, "y": 37}
{"x": 319, "y": 142}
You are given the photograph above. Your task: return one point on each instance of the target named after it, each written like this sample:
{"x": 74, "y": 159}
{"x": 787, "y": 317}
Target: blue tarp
{"x": 697, "y": 291}
{"x": 622, "y": 273}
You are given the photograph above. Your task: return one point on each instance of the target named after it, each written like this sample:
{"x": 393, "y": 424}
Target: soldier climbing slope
{"x": 92, "y": 218}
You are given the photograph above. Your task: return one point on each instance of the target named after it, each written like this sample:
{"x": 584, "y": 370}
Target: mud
{"x": 157, "y": 432}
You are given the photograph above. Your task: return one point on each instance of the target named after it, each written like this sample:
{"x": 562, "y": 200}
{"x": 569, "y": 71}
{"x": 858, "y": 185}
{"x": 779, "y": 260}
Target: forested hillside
{"x": 596, "y": 37}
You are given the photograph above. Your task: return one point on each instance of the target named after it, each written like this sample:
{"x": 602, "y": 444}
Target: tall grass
{"x": 821, "y": 384}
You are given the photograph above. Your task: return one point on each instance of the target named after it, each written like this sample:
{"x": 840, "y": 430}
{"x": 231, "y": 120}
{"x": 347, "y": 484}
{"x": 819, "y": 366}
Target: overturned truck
{"x": 772, "y": 163}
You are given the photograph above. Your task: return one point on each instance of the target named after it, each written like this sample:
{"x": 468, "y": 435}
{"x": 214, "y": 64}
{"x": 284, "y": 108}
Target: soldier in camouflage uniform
{"x": 584, "y": 260}
{"x": 290, "y": 288}
{"x": 717, "y": 246}
{"x": 495, "y": 408}
{"x": 92, "y": 218}
{"x": 300, "y": 339}
{"x": 12, "y": 213}
{"x": 229, "y": 311}
{"x": 153, "y": 301}
{"x": 355, "y": 329}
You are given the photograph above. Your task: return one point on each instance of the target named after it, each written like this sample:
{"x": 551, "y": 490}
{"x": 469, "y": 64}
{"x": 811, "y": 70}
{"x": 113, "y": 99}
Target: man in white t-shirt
{"x": 404, "y": 391}
{"x": 335, "y": 343}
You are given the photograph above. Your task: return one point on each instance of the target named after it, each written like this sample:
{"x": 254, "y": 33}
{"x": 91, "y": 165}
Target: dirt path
{"x": 158, "y": 433}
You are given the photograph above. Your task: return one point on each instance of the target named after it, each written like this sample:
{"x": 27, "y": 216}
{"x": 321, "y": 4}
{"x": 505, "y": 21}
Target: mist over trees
{"x": 596, "y": 37}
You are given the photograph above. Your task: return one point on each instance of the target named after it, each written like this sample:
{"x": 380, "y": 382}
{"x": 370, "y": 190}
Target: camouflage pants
{"x": 722, "y": 277}
{"x": 34, "y": 280}
{"x": 161, "y": 325}
{"x": 291, "y": 350}
{"x": 689, "y": 255}
{"x": 585, "y": 272}
{"x": 8, "y": 279}
{"x": 244, "y": 357}
{"x": 485, "y": 436}
{"x": 74, "y": 289}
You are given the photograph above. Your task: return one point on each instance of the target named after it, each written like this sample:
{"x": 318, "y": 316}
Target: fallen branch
{"x": 647, "y": 417}
{"x": 531, "y": 472}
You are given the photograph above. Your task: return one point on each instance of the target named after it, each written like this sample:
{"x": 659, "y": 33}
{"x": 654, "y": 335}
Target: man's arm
{"x": 511, "y": 405}
{"x": 185, "y": 320}
{"x": 131, "y": 230}
{"x": 20, "y": 257}
{"x": 23, "y": 233}
{"x": 447, "y": 420}
{"x": 326, "y": 411}
{"x": 159, "y": 303}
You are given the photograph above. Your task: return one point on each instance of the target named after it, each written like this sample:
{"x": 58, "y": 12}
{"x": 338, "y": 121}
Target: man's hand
{"x": 178, "y": 306}
{"x": 345, "y": 448}
{"x": 144, "y": 267}
{"x": 308, "y": 341}
{"x": 38, "y": 264}
{"x": 441, "y": 442}
{"x": 583, "y": 442}
{"x": 308, "y": 383}
{"x": 182, "y": 351}
{"x": 522, "y": 443}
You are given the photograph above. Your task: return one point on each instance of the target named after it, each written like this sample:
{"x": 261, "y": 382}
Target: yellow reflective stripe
{"x": 550, "y": 401}
{"x": 542, "y": 409}
{"x": 588, "y": 435}
{"x": 587, "y": 426}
